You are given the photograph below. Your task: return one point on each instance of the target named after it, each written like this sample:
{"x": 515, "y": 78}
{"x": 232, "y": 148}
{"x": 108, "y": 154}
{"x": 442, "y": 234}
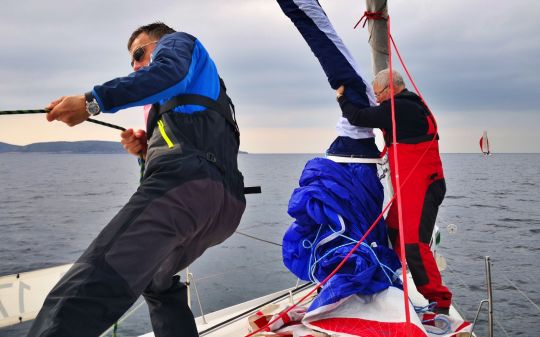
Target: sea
{"x": 53, "y": 205}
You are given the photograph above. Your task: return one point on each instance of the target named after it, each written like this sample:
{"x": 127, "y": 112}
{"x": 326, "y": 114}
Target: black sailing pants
{"x": 175, "y": 215}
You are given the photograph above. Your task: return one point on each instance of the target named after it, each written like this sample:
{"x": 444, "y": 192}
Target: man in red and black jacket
{"x": 422, "y": 194}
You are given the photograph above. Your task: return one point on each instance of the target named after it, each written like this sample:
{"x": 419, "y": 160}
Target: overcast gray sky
{"x": 477, "y": 63}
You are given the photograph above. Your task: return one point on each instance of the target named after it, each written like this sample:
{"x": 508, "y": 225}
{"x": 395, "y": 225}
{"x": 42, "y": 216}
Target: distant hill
{"x": 4, "y": 147}
{"x": 89, "y": 146}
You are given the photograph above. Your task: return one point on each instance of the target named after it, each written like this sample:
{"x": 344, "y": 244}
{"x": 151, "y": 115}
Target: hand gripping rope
{"x": 43, "y": 111}
{"x": 247, "y": 189}
{"x": 95, "y": 121}
{"x": 397, "y": 195}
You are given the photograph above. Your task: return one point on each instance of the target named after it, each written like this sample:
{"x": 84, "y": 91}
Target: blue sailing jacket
{"x": 179, "y": 65}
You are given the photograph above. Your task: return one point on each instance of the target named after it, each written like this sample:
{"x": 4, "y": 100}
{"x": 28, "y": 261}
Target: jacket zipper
{"x": 161, "y": 126}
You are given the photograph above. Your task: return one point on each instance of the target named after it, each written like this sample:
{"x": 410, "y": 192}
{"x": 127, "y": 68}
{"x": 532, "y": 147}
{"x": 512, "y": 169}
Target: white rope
{"x": 123, "y": 318}
{"x": 501, "y": 327}
{"x": 521, "y": 292}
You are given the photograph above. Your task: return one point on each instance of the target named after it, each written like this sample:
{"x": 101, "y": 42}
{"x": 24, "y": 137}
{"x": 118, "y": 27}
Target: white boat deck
{"x": 232, "y": 321}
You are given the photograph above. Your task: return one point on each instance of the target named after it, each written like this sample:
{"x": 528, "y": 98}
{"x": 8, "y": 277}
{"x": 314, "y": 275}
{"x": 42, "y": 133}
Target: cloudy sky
{"x": 476, "y": 62}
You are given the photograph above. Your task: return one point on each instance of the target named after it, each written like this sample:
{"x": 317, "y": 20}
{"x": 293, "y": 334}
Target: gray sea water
{"x": 53, "y": 205}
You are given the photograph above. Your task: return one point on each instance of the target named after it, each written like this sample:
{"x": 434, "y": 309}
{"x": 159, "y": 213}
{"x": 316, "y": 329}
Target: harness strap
{"x": 432, "y": 127}
{"x": 218, "y": 106}
{"x": 195, "y": 99}
{"x": 189, "y": 99}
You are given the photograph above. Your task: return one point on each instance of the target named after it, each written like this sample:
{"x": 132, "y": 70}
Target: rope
{"x": 501, "y": 327}
{"x": 91, "y": 120}
{"x": 521, "y": 292}
{"x": 415, "y": 89}
{"x": 391, "y": 43}
{"x": 43, "y": 111}
{"x": 245, "y": 313}
{"x": 21, "y": 112}
{"x": 369, "y": 16}
{"x": 403, "y": 259}
{"x": 95, "y": 121}
{"x": 259, "y": 239}
{"x": 429, "y": 307}
{"x": 446, "y": 325}
{"x": 114, "y": 327}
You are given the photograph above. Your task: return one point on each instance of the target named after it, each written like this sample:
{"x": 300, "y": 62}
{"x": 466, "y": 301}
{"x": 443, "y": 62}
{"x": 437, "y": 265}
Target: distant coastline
{"x": 65, "y": 147}
{"x": 88, "y": 146}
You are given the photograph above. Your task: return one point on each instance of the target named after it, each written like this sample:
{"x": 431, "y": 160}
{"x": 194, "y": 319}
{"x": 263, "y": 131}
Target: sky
{"x": 476, "y": 62}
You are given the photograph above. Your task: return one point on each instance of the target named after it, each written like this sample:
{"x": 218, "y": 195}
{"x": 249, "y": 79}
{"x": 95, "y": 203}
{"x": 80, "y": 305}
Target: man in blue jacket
{"x": 190, "y": 198}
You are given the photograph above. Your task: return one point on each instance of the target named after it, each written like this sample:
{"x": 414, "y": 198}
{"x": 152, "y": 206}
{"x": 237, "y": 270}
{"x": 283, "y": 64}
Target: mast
{"x": 378, "y": 40}
{"x": 378, "y": 34}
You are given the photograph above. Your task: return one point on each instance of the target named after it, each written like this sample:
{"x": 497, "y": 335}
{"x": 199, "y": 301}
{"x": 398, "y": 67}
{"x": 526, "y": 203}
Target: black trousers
{"x": 179, "y": 211}
{"x": 169, "y": 310}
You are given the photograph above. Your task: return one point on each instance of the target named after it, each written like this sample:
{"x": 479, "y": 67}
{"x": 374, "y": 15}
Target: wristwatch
{"x": 92, "y": 106}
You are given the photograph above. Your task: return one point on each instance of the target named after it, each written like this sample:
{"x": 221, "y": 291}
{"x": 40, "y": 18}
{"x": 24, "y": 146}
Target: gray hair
{"x": 382, "y": 79}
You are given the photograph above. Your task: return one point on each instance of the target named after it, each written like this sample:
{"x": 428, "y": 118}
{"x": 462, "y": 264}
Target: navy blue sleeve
{"x": 372, "y": 117}
{"x": 166, "y": 76}
{"x": 334, "y": 57}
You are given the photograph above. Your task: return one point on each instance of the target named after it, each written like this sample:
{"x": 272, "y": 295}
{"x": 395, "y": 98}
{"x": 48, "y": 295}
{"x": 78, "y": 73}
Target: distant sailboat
{"x": 484, "y": 144}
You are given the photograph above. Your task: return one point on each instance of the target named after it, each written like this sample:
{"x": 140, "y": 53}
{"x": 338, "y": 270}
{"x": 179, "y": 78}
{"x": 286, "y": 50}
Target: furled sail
{"x": 336, "y": 204}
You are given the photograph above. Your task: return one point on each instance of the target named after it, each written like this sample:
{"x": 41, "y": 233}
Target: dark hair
{"x": 155, "y": 30}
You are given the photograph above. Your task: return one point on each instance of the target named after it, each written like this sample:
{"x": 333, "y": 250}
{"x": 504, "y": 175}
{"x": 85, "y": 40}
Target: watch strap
{"x": 89, "y": 96}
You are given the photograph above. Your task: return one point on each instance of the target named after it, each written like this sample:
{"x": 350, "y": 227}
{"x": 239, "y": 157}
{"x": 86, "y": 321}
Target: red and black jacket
{"x": 415, "y": 130}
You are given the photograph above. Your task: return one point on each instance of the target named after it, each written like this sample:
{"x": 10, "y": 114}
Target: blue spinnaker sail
{"x": 333, "y": 207}
{"x": 337, "y": 203}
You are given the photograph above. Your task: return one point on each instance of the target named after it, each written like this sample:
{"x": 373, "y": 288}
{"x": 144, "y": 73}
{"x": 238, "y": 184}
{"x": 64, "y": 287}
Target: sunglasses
{"x": 377, "y": 94}
{"x": 138, "y": 54}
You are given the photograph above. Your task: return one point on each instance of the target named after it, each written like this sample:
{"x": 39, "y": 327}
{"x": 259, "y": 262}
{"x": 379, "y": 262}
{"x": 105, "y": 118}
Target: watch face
{"x": 92, "y": 108}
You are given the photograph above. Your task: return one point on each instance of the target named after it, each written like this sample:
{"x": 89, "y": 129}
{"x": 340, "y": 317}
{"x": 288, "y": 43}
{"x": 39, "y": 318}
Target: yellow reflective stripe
{"x": 161, "y": 126}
